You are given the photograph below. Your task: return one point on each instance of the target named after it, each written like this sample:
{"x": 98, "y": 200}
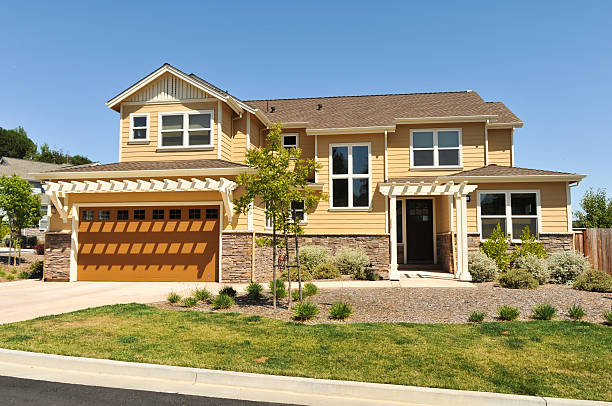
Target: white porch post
{"x": 74, "y": 243}
{"x": 462, "y": 272}
{"x": 393, "y": 272}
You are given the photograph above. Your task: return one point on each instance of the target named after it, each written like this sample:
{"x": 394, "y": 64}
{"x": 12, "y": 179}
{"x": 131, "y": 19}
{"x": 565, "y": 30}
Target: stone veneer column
{"x": 57, "y": 256}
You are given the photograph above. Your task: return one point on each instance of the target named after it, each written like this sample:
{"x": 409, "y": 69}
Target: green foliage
{"x": 537, "y": 267}
{"x": 508, "y": 313}
{"x": 517, "y": 279}
{"x": 201, "y": 295}
{"x": 15, "y": 143}
{"x": 305, "y": 311}
{"x": 544, "y": 312}
{"x": 228, "y": 290}
{"x": 575, "y": 312}
{"x": 10, "y": 277}
{"x": 2, "y": 273}
{"x": 14, "y": 271}
{"x": 254, "y": 290}
{"x": 529, "y": 246}
{"x": 595, "y": 210}
{"x": 350, "y": 261}
{"x": 496, "y": 248}
{"x": 23, "y": 275}
{"x": 340, "y": 310}
{"x": 304, "y": 273}
{"x": 174, "y": 297}
{"x": 312, "y": 256}
{"x": 594, "y": 280}
{"x": 21, "y": 207}
{"x": 281, "y": 288}
{"x": 53, "y": 156}
{"x": 608, "y": 317}
{"x": 223, "y": 301}
{"x": 36, "y": 269}
{"x": 5, "y": 230}
{"x": 477, "y": 317}
{"x": 310, "y": 289}
{"x": 481, "y": 267}
{"x": 190, "y": 301}
{"x": 565, "y": 266}
{"x": 326, "y": 270}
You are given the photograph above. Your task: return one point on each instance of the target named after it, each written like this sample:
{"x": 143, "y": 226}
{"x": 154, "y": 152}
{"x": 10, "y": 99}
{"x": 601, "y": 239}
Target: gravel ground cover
{"x": 429, "y": 305}
{"x": 26, "y": 260}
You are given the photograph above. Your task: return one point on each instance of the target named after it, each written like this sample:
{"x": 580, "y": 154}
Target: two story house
{"x": 413, "y": 179}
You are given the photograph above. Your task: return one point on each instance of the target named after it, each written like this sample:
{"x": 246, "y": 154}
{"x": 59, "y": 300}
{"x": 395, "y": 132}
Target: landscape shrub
{"x": 536, "y": 266}
{"x": 305, "y": 311}
{"x": 508, "y": 313}
{"x": 10, "y": 277}
{"x": 352, "y": 262}
{"x": 496, "y": 248}
{"x": 36, "y": 269}
{"x": 174, "y": 297}
{"x": 2, "y": 273}
{"x": 517, "y": 279}
{"x": 223, "y": 301}
{"x": 371, "y": 274}
{"x": 40, "y": 248}
{"x": 575, "y": 312}
{"x": 23, "y": 275}
{"x": 190, "y": 301}
{"x": 608, "y": 317}
{"x": 281, "y": 288}
{"x": 312, "y": 256}
{"x": 14, "y": 271}
{"x": 544, "y": 312}
{"x": 340, "y": 310}
{"x": 228, "y": 290}
{"x": 594, "y": 280}
{"x": 529, "y": 245}
{"x": 565, "y": 266}
{"x": 254, "y": 290}
{"x": 477, "y": 317}
{"x": 305, "y": 274}
{"x": 325, "y": 270}
{"x": 481, "y": 267}
{"x": 310, "y": 289}
{"x": 201, "y": 295}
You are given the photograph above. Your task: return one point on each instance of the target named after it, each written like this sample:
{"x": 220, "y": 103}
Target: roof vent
{"x": 272, "y": 108}
{"x": 319, "y": 106}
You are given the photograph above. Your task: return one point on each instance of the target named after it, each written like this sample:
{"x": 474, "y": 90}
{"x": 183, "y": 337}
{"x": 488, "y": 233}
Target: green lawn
{"x": 548, "y": 358}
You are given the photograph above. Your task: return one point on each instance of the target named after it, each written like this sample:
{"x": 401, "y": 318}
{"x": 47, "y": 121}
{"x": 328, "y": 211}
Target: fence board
{"x": 596, "y": 244}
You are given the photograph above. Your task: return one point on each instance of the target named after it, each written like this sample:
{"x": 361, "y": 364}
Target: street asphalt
{"x": 28, "y": 392}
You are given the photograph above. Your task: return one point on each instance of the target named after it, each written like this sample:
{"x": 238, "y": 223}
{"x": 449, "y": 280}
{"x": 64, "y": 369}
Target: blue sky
{"x": 550, "y": 62}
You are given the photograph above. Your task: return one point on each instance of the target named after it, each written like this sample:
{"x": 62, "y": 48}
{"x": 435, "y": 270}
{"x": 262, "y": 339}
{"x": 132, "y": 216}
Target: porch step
{"x": 420, "y": 267}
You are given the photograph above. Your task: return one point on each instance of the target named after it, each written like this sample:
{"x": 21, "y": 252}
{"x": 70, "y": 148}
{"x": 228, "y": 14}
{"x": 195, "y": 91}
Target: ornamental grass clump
{"x": 190, "y": 301}
{"x": 201, "y": 295}
{"x": 544, "y": 312}
{"x": 340, "y": 310}
{"x": 354, "y": 262}
{"x": 575, "y": 312}
{"x": 566, "y": 266}
{"x": 23, "y": 275}
{"x": 536, "y": 266}
{"x": 309, "y": 289}
{"x": 223, "y": 301}
{"x": 608, "y": 317}
{"x": 281, "y": 288}
{"x": 481, "y": 267}
{"x": 305, "y": 311}
{"x": 174, "y": 297}
{"x": 254, "y": 291}
{"x": 508, "y": 313}
{"x": 477, "y": 317}
{"x": 228, "y": 290}
{"x": 594, "y": 280}
{"x": 517, "y": 279}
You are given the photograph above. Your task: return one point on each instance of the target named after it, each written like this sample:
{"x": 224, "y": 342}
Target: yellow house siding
{"x": 500, "y": 146}
{"x": 238, "y": 144}
{"x": 226, "y": 129}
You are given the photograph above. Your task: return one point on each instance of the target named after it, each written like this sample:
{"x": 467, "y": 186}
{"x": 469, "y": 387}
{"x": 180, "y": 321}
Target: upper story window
{"x": 139, "y": 127}
{"x": 297, "y": 207}
{"x": 512, "y": 210}
{"x": 290, "y": 141}
{"x": 186, "y": 129}
{"x": 436, "y": 148}
{"x": 350, "y": 175}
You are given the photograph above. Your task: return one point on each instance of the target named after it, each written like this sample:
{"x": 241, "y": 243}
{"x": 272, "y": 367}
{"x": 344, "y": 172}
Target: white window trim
{"x": 436, "y": 149}
{"x": 132, "y": 128}
{"x": 509, "y": 214}
{"x": 297, "y": 140}
{"x": 350, "y": 176}
{"x": 185, "y": 115}
{"x": 268, "y": 222}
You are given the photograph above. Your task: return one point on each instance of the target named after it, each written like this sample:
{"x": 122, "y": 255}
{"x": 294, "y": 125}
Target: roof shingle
{"x": 497, "y": 170}
{"x": 155, "y": 165}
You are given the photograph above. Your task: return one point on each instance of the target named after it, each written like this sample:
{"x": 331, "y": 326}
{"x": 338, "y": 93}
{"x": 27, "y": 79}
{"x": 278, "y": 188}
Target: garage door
{"x": 163, "y": 243}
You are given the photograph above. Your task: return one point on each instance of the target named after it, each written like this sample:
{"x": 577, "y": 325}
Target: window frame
{"x": 185, "y": 129}
{"x": 509, "y": 216}
{"x": 435, "y": 148}
{"x": 350, "y": 176}
{"x": 297, "y": 140}
{"x": 132, "y": 128}
{"x": 268, "y": 221}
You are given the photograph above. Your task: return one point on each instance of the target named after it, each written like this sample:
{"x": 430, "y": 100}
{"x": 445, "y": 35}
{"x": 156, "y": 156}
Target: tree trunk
{"x": 274, "y": 262}
{"x": 297, "y": 263}
{"x": 287, "y": 265}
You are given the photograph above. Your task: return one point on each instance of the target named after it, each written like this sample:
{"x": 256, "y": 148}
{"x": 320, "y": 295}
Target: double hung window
{"x": 350, "y": 175}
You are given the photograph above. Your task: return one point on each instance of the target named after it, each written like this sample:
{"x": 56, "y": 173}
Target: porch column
{"x": 393, "y": 272}
{"x": 462, "y": 272}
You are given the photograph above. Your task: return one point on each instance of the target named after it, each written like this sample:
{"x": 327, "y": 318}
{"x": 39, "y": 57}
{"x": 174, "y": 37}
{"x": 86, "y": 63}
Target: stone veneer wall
{"x": 552, "y": 242}
{"x": 236, "y": 257}
{"x": 57, "y": 257}
{"x": 445, "y": 251}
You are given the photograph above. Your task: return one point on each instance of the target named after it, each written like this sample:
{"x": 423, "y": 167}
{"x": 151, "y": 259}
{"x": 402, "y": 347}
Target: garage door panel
{"x": 147, "y": 249}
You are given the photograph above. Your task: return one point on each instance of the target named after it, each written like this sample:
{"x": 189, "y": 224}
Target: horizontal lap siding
{"x": 226, "y": 129}
{"x": 500, "y": 146}
{"x": 239, "y": 138}
{"x": 553, "y": 200}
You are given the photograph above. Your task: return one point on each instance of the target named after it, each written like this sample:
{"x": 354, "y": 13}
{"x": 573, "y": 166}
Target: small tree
{"x": 496, "y": 248}
{"x": 529, "y": 245}
{"x": 281, "y": 178}
{"x": 596, "y": 210}
{"x": 20, "y": 207}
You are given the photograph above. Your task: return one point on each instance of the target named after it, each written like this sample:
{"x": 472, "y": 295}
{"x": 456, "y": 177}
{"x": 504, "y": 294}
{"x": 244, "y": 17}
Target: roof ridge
{"x": 362, "y": 95}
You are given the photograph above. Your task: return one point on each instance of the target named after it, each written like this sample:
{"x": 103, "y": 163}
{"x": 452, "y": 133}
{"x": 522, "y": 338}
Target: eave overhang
{"x": 153, "y": 173}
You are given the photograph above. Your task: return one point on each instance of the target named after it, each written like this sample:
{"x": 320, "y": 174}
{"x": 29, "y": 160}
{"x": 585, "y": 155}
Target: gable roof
{"x": 494, "y": 172}
{"x": 24, "y": 167}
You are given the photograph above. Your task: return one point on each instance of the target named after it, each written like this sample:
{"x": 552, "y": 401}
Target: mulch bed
{"x": 428, "y": 305}
{"x": 26, "y": 260}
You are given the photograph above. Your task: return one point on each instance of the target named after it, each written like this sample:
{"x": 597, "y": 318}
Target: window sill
{"x": 138, "y": 142}
{"x": 350, "y": 209}
{"x": 171, "y": 149}
{"x": 434, "y": 168}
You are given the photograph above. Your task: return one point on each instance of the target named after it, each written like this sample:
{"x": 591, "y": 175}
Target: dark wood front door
{"x": 419, "y": 230}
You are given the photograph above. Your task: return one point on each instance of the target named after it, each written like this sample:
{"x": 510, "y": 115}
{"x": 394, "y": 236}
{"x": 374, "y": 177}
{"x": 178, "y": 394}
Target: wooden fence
{"x": 596, "y": 244}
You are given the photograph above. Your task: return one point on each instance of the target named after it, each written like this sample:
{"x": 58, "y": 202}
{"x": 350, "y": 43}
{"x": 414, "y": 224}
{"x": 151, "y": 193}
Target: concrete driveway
{"x": 24, "y": 300}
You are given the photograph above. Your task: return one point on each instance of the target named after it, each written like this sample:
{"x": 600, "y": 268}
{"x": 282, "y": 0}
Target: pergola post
{"x": 462, "y": 272}
{"x": 393, "y": 271}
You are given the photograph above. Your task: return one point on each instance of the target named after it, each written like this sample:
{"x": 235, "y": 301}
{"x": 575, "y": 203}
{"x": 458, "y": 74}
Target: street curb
{"x": 306, "y": 386}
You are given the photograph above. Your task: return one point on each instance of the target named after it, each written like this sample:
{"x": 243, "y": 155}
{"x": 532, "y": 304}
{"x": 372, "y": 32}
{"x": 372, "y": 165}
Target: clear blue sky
{"x": 549, "y": 61}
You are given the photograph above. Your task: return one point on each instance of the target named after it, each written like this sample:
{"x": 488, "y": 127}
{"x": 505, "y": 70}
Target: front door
{"x": 419, "y": 230}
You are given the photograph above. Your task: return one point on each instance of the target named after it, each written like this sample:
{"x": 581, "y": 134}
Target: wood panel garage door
{"x": 149, "y": 243}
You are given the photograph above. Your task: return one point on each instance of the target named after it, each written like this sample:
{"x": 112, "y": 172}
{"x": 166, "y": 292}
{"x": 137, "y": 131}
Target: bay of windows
{"x": 513, "y": 211}
{"x": 439, "y": 148}
{"x": 350, "y": 176}
{"x": 186, "y": 129}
